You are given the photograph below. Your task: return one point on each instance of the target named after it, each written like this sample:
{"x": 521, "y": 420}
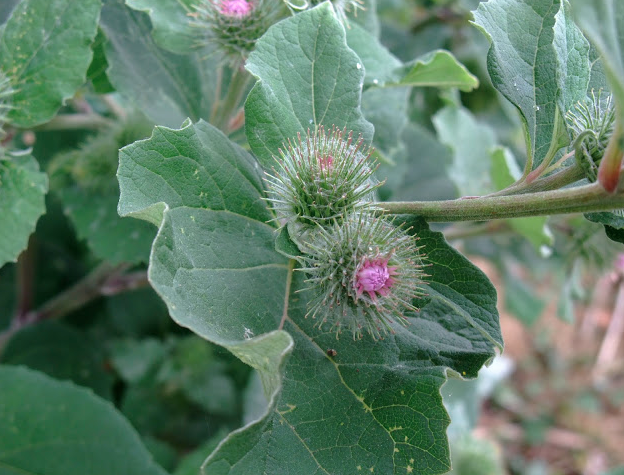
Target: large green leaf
{"x": 183, "y": 85}
{"x": 377, "y": 403}
{"x": 172, "y": 28}
{"x": 307, "y": 77}
{"x": 523, "y": 63}
{"x": 22, "y": 191}
{"x": 603, "y": 23}
{"x": 57, "y": 428}
{"x": 45, "y": 51}
{"x": 375, "y": 406}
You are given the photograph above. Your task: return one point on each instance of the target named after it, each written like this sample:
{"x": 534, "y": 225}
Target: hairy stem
{"x": 555, "y": 181}
{"x": 580, "y": 199}
{"x": 105, "y": 279}
{"x": 75, "y": 121}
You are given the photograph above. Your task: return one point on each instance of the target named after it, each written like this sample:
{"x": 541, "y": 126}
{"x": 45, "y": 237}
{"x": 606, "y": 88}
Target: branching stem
{"x": 580, "y": 199}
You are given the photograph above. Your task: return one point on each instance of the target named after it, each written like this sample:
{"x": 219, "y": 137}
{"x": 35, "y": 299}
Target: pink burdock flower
{"x": 235, "y": 8}
{"x": 365, "y": 273}
{"x": 375, "y": 277}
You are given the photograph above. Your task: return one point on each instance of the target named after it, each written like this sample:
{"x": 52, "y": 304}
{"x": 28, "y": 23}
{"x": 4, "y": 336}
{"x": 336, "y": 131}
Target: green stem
{"x": 75, "y": 121}
{"x": 555, "y": 181}
{"x": 105, "y": 279}
{"x": 227, "y": 107}
{"x": 580, "y": 199}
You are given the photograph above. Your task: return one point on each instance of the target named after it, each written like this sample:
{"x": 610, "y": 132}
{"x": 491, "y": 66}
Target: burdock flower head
{"x": 364, "y": 274}
{"x": 591, "y": 123}
{"x": 319, "y": 180}
{"x": 232, "y": 27}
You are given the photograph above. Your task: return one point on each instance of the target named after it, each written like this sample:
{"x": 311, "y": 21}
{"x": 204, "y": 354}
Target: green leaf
{"x": 47, "y": 426}
{"x": 386, "y": 109}
{"x": 97, "y": 69}
{"x": 214, "y": 263}
{"x": 602, "y": 21}
{"x": 6, "y": 8}
{"x": 307, "y": 77}
{"x": 375, "y": 405}
{"x": 172, "y": 29}
{"x": 523, "y": 62}
{"x": 45, "y": 49}
{"x": 22, "y": 191}
{"x": 184, "y": 85}
{"x": 613, "y": 223}
{"x": 471, "y": 143}
{"x": 574, "y": 68}
{"x": 435, "y": 69}
{"x": 62, "y": 353}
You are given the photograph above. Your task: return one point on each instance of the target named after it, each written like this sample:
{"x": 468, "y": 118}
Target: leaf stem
{"x": 580, "y": 199}
{"x": 236, "y": 89}
{"x": 106, "y": 279}
{"x": 75, "y": 121}
{"x": 555, "y": 181}
{"x": 291, "y": 266}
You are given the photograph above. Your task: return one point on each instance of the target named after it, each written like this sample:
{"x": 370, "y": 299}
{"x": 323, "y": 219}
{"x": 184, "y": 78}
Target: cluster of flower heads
{"x": 591, "y": 124}
{"x": 363, "y": 271}
{"x": 234, "y": 26}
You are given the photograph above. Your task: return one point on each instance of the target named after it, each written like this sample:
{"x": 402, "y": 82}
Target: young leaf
{"x": 47, "y": 426}
{"x": 307, "y": 76}
{"x": 22, "y": 191}
{"x": 141, "y": 71}
{"x": 522, "y": 63}
{"x": 435, "y": 69}
{"x": 45, "y": 49}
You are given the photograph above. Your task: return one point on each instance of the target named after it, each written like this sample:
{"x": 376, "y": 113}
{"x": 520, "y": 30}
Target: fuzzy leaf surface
{"x": 215, "y": 265}
{"x": 307, "y": 77}
{"x": 603, "y": 23}
{"x": 172, "y": 29}
{"x": 55, "y": 434}
{"x": 141, "y": 71}
{"x": 522, "y": 63}
{"x": 22, "y": 191}
{"x": 45, "y": 50}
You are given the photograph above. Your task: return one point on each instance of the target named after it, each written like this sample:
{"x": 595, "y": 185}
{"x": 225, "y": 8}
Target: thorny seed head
{"x": 320, "y": 179}
{"x": 232, "y": 27}
{"x": 591, "y": 124}
{"x": 364, "y": 273}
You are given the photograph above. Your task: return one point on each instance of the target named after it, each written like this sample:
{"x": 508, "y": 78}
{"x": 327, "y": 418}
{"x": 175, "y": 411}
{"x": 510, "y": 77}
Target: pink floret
{"x": 235, "y": 8}
{"x": 374, "y": 277}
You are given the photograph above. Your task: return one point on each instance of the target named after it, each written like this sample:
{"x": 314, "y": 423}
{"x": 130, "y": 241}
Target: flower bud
{"x": 319, "y": 180}
{"x": 591, "y": 125}
{"x": 232, "y": 27}
{"x": 364, "y": 273}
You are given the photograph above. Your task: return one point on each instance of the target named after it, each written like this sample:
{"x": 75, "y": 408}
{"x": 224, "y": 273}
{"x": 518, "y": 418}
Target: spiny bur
{"x": 319, "y": 180}
{"x": 364, "y": 274}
